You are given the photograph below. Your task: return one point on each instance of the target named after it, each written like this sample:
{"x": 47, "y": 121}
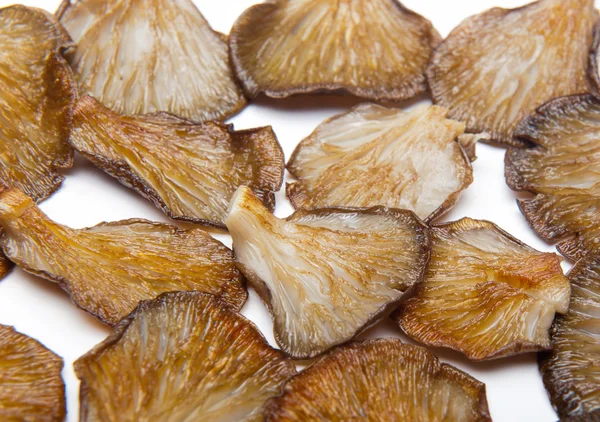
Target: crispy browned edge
{"x": 264, "y": 137}
{"x": 58, "y": 365}
{"x": 264, "y": 293}
{"x": 64, "y": 283}
{"x": 272, "y": 405}
{"x": 545, "y": 366}
{"x": 255, "y": 13}
{"x": 515, "y": 348}
{"x": 121, "y": 327}
{"x": 296, "y": 195}
{"x": 513, "y": 140}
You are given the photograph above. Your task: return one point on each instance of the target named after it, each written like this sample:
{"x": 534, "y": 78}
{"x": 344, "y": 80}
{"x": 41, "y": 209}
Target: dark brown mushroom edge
{"x": 561, "y": 172}
{"x": 31, "y": 386}
{"x": 109, "y": 268}
{"x": 188, "y": 170}
{"x": 182, "y": 65}
{"x": 183, "y": 356}
{"x": 571, "y": 370}
{"x": 485, "y": 293}
{"x": 381, "y": 380}
{"x": 37, "y": 90}
{"x": 326, "y": 275}
{"x": 374, "y": 155}
{"x": 280, "y": 48}
{"x": 497, "y": 67}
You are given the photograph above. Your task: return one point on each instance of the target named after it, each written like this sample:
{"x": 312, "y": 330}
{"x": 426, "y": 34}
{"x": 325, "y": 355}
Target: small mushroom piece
{"x": 185, "y": 356}
{"x": 571, "y": 370}
{"x": 375, "y": 155}
{"x": 485, "y": 293}
{"x": 109, "y": 268}
{"x": 381, "y": 380}
{"x": 375, "y": 49}
{"x": 31, "y": 386}
{"x": 182, "y": 65}
{"x": 561, "y": 170}
{"x": 37, "y": 90}
{"x": 188, "y": 170}
{"x": 326, "y": 275}
{"x": 497, "y": 67}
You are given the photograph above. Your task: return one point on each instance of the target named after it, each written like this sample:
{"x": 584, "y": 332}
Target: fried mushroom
{"x": 381, "y": 380}
{"x": 485, "y": 293}
{"x": 182, "y": 65}
{"x": 375, "y": 155}
{"x": 31, "y": 386}
{"x": 327, "y": 274}
{"x": 188, "y": 170}
{"x": 561, "y": 170}
{"x": 109, "y": 268}
{"x": 499, "y": 66}
{"x": 37, "y": 90}
{"x": 183, "y": 356}
{"x": 375, "y": 49}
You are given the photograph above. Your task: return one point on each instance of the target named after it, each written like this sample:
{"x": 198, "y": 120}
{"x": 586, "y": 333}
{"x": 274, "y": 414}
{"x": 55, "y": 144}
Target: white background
{"x": 88, "y": 196}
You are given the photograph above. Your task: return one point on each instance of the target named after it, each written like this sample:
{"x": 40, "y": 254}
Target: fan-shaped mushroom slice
{"x": 485, "y": 293}
{"x": 572, "y": 369}
{"x": 562, "y": 170}
{"x": 36, "y": 92}
{"x": 374, "y": 155}
{"x": 31, "y": 387}
{"x": 109, "y": 268}
{"x": 328, "y": 274}
{"x": 374, "y": 49}
{"x": 188, "y": 170}
{"x": 380, "y": 380}
{"x": 183, "y": 356}
{"x": 497, "y": 67}
{"x": 181, "y": 67}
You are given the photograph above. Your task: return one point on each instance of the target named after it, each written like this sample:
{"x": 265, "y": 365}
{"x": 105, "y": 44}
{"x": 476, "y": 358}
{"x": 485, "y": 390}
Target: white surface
{"x": 88, "y": 196}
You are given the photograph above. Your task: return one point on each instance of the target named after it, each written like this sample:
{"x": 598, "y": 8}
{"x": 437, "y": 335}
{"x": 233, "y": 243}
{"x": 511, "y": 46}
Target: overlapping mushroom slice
{"x": 36, "y": 92}
{"x": 109, "y": 268}
{"x": 183, "y": 356}
{"x": 328, "y": 274}
{"x": 562, "y": 171}
{"x": 380, "y": 380}
{"x": 374, "y": 49}
{"x": 497, "y": 67}
{"x": 374, "y": 155}
{"x": 572, "y": 369}
{"x": 188, "y": 170}
{"x": 182, "y": 66}
{"x": 31, "y": 387}
{"x": 485, "y": 293}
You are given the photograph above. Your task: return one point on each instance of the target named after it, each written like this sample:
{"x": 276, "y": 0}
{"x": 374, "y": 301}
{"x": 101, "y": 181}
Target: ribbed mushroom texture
{"x": 328, "y": 274}
{"x": 375, "y": 49}
{"x": 572, "y": 369}
{"x": 485, "y": 293}
{"x": 184, "y": 356}
{"x": 31, "y": 387}
{"x": 380, "y": 381}
{"x": 561, "y": 170}
{"x": 375, "y": 155}
{"x": 496, "y": 67}
{"x": 109, "y": 268}
{"x": 139, "y": 56}
{"x": 36, "y": 94}
{"x": 188, "y": 170}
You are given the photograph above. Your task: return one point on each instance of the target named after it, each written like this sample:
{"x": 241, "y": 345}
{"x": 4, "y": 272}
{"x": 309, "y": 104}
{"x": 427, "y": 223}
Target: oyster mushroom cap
{"x": 182, "y": 66}
{"x": 328, "y": 274}
{"x": 375, "y": 49}
{"x": 109, "y": 268}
